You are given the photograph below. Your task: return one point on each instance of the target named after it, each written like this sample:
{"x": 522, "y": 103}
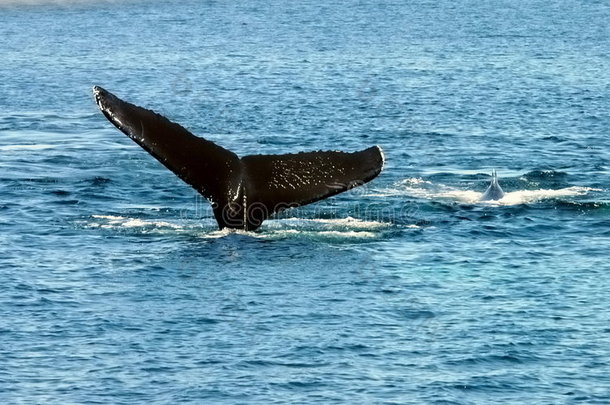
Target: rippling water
{"x": 118, "y": 288}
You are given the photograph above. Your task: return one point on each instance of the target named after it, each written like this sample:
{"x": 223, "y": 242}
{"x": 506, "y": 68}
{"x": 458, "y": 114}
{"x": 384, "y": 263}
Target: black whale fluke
{"x": 243, "y": 192}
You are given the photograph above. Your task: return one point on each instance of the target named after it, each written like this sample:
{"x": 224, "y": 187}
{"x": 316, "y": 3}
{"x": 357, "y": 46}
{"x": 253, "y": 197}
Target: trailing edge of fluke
{"x": 243, "y": 191}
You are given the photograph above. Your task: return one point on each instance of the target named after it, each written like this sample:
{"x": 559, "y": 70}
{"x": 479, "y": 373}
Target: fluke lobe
{"x": 243, "y": 191}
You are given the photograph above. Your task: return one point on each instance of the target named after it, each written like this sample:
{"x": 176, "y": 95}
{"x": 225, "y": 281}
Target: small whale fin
{"x": 243, "y": 192}
{"x": 494, "y": 191}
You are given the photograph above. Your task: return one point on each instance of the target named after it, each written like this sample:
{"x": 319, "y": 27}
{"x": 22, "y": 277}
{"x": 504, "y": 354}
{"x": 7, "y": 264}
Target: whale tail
{"x": 243, "y": 191}
{"x": 494, "y": 191}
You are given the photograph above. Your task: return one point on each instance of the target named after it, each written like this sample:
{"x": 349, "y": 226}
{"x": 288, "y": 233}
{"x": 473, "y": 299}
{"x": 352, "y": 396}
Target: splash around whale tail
{"x": 494, "y": 191}
{"x": 243, "y": 191}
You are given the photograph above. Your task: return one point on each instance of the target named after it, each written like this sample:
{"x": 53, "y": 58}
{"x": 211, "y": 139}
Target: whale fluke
{"x": 494, "y": 191}
{"x": 243, "y": 191}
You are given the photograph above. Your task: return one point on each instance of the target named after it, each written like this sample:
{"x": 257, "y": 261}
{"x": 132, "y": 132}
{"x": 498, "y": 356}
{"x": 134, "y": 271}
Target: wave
{"x": 420, "y": 188}
{"x": 115, "y": 221}
{"x": 513, "y": 197}
{"x": 26, "y": 147}
{"x": 347, "y": 223}
{"x": 291, "y": 233}
{"x": 327, "y": 229}
{"x": 529, "y": 196}
{"x": 544, "y": 175}
{"x": 49, "y": 2}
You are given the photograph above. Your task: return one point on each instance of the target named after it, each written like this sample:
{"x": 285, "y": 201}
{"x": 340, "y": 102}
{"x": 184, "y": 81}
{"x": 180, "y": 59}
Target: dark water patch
{"x": 65, "y": 202}
{"x": 41, "y": 180}
{"x": 554, "y": 139}
{"x": 306, "y": 384}
{"x": 496, "y": 360}
{"x": 583, "y": 206}
{"x": 353, "y": 347}
{"x": 546, "y": 176}
{"x": 98, "y": 181}
{"x": 206, "y": 321}
{"x": 61, "y": 160}
{"x": 61, "y": 193}
{"x": 281, "y": 364}
{"x": 414, "y": 314}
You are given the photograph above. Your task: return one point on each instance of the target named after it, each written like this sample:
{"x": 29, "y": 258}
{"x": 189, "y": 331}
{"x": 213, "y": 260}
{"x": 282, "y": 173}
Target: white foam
{"x": 348, "y": 234}
{"x": 413, "y": 187}
{"x": 290, "y": 233}
{"x": 216, "y": 234}
{"x": 528, "y": 196}
{"x": 110, "y": 217}
{"x": 339, "y": 228}
{"x": 315, "y": 228}
{"x": 114, "y": 221}
{"x": 324, "y": 228}
{"x": 465, "y": 196}
{"x": 150, "y": 207}
{"x": 414, "y": 181}
{"x": 347, "y": 222}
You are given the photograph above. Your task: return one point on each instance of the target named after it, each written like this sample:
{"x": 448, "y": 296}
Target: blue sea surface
{"x": 118, "y": 288}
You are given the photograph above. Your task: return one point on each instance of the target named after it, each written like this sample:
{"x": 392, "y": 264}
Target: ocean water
{"x": 117, "y": 287}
